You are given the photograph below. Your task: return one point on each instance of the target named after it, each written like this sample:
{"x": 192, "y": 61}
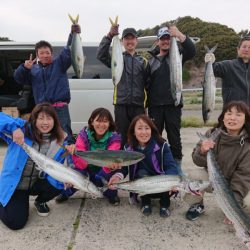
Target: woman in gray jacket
{"x": 232, "y": 153}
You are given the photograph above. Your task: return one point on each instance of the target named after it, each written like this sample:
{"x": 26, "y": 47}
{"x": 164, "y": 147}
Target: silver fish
{"x": 226, "y": 200}
{"x": 105, "y": 157}
{"x": 209, "y": 88}
{"x": 175, "y": 66}
{"x": 77, "y": 55}
{"x": 162, "y": 183}
{"x": 117, "y": 63}
{"x": 61, "y": 173}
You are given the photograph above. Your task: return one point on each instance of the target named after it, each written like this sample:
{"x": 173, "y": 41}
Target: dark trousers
{"x": 64, "y": 118}
{"x": 15, "y": 214}
{"x": 124, "y": 114}
{"x": 169, "y": 116}
{"x": 146, "y": 199}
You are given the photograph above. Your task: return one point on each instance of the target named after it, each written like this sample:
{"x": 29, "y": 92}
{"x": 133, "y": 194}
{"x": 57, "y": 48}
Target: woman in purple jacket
{"x": 144, "y": 137}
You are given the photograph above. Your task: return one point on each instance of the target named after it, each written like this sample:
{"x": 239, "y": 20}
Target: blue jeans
{"x": 64, "y": 118}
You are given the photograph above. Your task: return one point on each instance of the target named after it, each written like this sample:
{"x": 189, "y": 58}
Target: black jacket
{"x": 131, "y": 88}
{"x": 159, "y": 89}
{"x": 235, "y": 80}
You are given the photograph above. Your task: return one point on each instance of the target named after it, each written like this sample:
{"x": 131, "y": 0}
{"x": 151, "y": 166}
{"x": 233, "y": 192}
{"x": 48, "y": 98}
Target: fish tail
{"x": 74, "y": 21}
{"x": 210, "y": 50}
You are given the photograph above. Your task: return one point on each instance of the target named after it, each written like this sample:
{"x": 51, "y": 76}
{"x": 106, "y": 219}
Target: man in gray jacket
{"x": 235, "y": 73}
{"x": 129, "y": 94}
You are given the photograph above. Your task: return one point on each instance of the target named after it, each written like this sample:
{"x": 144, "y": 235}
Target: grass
{"x": 195, "y": 122}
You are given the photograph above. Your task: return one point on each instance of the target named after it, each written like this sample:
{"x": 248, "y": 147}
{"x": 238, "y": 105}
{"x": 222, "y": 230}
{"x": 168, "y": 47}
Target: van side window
{"x": 93, "y": 68}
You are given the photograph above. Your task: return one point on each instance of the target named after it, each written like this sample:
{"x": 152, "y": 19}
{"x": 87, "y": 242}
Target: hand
{"x": 173, "y": 30}
{"x": 70, "y": 148}
{"x": 206, "y": 145}
{"x": 18, "y": 136}
{"x": 112, "y": 180}
{"x": 114, "y": 166}
{"x": 29, "y": 63}
{"x": 173, "y": 190}
{"x": 114, "y": 31}
{"x": 209, "y": 57}
{"x": 67, "y": 185}
{"x": 75, "y": 28}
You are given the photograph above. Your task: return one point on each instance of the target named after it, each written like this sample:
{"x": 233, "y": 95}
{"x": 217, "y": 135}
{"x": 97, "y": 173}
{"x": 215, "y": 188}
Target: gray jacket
{"x": 235, "y": 80}
{"x": 131, "y": 88}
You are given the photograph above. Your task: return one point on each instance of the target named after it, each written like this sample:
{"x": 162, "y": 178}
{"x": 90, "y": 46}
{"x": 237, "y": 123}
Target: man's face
{"x": 129, "y": 42}
{"x": 164, "y": 43}
{"x": 244, "y": 50}
{"x": 44, "y": 55}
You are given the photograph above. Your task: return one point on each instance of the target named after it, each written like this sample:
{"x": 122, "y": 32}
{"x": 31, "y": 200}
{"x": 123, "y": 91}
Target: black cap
{"x": 129, "y": 31}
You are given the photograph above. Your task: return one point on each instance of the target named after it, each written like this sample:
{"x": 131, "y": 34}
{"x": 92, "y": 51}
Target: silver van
{"x": 95, "y": 89}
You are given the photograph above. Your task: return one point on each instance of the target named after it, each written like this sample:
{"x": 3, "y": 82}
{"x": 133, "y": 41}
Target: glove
{"x": 113, "y": 31}
{"x": 75, "y": 28}
{"x": 209, "y": 57}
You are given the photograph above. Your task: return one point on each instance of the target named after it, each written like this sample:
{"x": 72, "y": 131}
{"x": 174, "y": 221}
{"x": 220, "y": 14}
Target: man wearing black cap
{"x": 129, "y": 94}
{"x": 161, "y": 105}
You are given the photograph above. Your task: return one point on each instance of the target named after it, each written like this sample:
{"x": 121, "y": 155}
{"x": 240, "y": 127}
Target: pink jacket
{"x": 82, "y": 144}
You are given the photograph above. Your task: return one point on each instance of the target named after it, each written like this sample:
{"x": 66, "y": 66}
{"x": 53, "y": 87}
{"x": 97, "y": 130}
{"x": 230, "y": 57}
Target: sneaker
{"x": 115, "y": 201}
{"x": 146, "y": 210}
{"x": 164, "y": 212}
{"x": 41, "y": 208}
{"x": 195, "y": 211}
{"x": 61, "y": 198}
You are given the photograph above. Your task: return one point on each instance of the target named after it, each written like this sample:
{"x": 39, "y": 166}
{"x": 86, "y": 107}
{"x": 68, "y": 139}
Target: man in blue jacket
{"x": 49, "y": 80}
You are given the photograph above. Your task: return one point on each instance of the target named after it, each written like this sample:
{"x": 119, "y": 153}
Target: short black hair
{"x": 42, "y": 44}
{"x": 244, "y": 38}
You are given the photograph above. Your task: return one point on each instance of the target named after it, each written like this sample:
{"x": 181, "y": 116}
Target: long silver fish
{"x": 162, "y": 183}
{"x": 77, "y": 55}
{"x": 105, "y": 157}
{"x": 60, "y": 172}
{"x": 117, "y": 56}
{"x": 226, "y": 200}
{"x": 175, "y": 66}
{"x": 209, "y": 88}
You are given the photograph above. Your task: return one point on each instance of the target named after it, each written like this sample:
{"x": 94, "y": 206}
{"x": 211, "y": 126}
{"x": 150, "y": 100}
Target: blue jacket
{"x": 158, "y": 156}
{"x": 49, "y": 83}
{"x": 16, "y": 158}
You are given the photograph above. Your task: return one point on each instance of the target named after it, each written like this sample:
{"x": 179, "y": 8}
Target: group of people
{"x": 144, "y": 84}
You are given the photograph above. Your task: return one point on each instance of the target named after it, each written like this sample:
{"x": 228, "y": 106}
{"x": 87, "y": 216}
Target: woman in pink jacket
{"x": 98, "y": 135}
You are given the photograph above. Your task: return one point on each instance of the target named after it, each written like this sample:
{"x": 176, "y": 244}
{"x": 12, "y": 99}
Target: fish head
{"x": 195, "y": 187}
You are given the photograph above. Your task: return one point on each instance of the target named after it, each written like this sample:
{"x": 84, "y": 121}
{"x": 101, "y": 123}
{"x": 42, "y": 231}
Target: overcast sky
{"x": 31, "y": 20}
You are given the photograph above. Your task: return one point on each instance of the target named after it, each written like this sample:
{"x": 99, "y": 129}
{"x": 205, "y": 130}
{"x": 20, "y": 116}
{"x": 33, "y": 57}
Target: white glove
{"x": 209, "y": 57}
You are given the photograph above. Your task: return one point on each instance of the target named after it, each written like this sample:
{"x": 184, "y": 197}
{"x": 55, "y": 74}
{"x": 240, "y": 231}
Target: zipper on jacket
{"x": 132, "y": 80}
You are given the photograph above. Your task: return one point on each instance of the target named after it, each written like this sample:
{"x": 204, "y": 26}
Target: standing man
{"x": 235, "y": 73}
{"x": 161, "y": 105}
{"x": 129, "y": 94}
{"x": 49, "y": 80}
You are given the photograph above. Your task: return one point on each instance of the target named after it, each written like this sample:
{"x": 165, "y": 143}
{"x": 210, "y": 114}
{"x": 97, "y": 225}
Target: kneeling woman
{"x": 144, "y": 137}
{"x": 232, "y": 152}
{"x": 19, "y": 177}
{"x": 100, "y": 134}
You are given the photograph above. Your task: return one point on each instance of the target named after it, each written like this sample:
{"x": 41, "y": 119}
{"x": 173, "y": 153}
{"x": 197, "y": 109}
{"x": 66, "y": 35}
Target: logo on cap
{"x": 163, "y": 32}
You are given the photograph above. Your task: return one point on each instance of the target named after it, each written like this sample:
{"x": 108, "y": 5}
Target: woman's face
{"x": 142, "y": 132}
{"x": 44, "y": 123}
{"x": 100, "y": 127}
{"x": 234, "y": 121}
